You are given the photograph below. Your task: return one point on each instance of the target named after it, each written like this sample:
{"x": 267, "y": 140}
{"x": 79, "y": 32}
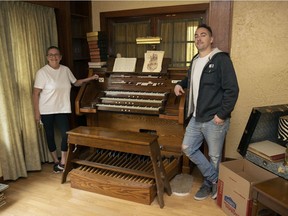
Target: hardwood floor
{"x": 42, "y": 194}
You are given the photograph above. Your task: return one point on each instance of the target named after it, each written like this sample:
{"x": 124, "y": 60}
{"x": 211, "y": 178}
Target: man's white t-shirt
{"x": 56, "y": 86}
{"x": 199, "y": 65}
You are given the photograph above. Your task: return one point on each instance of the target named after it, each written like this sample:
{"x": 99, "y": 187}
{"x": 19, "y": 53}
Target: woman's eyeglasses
{"x": 53, "y": 55}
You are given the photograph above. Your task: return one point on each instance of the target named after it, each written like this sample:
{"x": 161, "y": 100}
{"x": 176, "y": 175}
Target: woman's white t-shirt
{"x": 56, "y": 86}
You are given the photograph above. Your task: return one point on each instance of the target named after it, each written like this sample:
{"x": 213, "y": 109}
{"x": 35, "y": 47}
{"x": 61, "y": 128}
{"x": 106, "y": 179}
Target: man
{"x": 212, "y": 92}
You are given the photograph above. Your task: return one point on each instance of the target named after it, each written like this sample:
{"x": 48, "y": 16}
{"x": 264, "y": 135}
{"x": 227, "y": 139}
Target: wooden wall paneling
{"x": 220, "y": 20}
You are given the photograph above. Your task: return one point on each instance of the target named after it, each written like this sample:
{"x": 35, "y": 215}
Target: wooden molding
{"x": 220, "y": 20}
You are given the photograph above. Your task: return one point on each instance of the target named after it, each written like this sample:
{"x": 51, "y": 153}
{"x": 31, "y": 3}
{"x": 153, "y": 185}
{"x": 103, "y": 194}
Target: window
{"x": 178, "y": 40}
{"x": 125, "y": 38}
{"x": 176, "y": 30}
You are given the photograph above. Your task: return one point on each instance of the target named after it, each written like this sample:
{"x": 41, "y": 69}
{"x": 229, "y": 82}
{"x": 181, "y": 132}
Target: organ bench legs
{"x": 160, "y": 174}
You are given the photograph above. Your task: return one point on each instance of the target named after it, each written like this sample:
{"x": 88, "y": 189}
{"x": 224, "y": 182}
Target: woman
{"x": 51, "y": 98}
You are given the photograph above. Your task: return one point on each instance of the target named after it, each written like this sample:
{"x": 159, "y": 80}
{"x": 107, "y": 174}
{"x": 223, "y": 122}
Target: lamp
{"x": 283, "y": 135}
{"x": 149, "y": 40}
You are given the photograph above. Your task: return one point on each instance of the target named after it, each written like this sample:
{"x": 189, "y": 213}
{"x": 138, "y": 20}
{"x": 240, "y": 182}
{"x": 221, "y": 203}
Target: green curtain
{"x": 26, "y": 32}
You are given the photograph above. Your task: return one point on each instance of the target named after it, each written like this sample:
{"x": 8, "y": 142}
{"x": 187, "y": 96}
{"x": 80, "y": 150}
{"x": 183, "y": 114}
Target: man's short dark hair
{"x": 206, "y": 27}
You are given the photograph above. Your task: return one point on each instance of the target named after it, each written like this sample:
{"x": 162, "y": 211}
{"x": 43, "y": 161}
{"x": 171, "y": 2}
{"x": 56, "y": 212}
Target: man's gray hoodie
{"x": 218, "y": 88}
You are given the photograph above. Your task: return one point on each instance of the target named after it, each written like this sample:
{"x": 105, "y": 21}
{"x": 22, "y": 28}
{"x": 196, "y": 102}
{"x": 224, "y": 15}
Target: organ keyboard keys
{"x": 131, "y": 109}
{"x": 132, "y": 101}
{"x": 131, "y": 93}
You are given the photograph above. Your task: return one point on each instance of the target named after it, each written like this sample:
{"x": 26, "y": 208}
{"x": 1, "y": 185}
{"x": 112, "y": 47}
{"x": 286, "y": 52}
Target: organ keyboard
{"x": 136, "y": 93}
{"x": 132, "y": 102}
{"x": 129, "y": 109}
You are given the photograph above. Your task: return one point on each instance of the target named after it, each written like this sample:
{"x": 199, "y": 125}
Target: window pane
{"x": 179, "y": 52}
{"x": 131, "y": 50}
{"x": 179, "y": 31}
{"x": 178, "y": 40}
{"x": 191, "y": 51}
{"x": 120, "y": 48}
{"x": 191, "y": 48}
{"x": 120, "y": 31}
{"x": 131, "y": 33}
{"x": 125, "y": 35}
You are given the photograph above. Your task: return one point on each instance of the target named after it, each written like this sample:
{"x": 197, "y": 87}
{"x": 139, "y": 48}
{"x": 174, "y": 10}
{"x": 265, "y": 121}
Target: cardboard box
{"x": 234, "y": 185}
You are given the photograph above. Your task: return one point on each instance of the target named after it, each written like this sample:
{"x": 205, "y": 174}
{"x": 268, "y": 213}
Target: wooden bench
{"x": 122, "y": 141}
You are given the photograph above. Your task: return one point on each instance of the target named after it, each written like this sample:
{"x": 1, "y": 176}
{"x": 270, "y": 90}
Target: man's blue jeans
{"x": 214, "y": 135}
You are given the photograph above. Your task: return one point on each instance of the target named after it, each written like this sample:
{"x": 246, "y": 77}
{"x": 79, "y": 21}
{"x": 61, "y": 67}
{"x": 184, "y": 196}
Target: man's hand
{"x": 218, "y": 121}
{"x": 178, "y": 90}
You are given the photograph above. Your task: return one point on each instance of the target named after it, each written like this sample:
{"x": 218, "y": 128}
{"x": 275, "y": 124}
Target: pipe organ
{"x": 137, "y": 102}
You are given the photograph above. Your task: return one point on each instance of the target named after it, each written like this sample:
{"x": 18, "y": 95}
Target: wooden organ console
{"x": 142, "y": 103}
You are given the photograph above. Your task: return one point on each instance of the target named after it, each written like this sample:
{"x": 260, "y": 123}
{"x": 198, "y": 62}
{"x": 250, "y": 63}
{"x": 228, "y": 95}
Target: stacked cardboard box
{"x": 3, "y": 187}
{"x": 236, "y": 179}
{"x": 97, "y": 42}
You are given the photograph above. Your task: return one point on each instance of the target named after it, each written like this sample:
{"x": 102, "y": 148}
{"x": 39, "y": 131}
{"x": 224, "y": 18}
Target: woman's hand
{"x": 94, "y": 77}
